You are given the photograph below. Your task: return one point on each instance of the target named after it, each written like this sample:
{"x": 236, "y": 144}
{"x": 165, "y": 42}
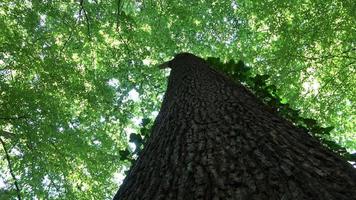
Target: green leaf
{"x": 145, "y": 121}
{"x": 124, "y": 154}
{"x": 136, "y": 138}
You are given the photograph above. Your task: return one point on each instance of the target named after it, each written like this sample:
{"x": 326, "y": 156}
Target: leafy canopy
{"x": 78, "y": 77}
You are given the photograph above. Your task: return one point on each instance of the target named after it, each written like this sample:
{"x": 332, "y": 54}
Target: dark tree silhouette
{"x": 213, "y": 139}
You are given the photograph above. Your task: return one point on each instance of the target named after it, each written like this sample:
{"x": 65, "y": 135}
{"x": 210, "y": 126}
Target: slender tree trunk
{"x": 214, "y": 140}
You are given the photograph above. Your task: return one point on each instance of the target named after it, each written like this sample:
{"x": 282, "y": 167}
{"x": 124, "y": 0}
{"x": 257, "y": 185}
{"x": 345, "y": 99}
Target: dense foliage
{"x": 267, "y": 94}
{"x": 77, "y": 78}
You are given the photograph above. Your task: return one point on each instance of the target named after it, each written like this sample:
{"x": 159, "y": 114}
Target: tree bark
{"x": 213, "y": 139}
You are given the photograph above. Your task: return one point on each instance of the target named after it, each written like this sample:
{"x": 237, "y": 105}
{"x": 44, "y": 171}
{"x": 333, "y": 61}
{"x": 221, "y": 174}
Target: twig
{"x": 70, "y": 35}
{"x": 6, "y": 134}
{"x": 10, "y": 168}
{"x": 118, "y": 14}
{"x": 13, "y": 118}
{"x": 86, "y": 17}
{"x": 65, "y": 43}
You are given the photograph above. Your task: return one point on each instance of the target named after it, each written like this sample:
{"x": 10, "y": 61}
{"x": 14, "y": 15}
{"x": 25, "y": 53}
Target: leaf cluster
{"x": 268, "y": 94}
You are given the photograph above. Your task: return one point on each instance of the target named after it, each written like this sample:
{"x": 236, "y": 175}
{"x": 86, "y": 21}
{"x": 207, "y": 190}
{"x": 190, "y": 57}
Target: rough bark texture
{"x": 214, "y": 140}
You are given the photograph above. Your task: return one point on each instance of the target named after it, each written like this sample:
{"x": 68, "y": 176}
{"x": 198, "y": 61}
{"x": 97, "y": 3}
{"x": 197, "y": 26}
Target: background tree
{"x": 77, "y": 78}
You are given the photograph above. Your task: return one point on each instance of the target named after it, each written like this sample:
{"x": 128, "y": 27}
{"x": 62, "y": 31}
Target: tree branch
{"x": 6, "y": 134}
{"x": 72, "y": 29}
{"x": 86, "y": 16}
{"x": 13, "y": 118}
{"x": 11, "y": 170}
{"x": 118, "y": 14}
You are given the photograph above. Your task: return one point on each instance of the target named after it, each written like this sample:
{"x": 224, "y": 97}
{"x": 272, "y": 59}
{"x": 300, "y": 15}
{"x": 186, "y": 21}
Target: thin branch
{"x": 342, "y": 54}
{"x": 82, "y": 9}
{"x": 7, "y": 134}
{"x": 11, "y": 170}
{"x": 13, "y": 118}
{"x": 65, "y": 43}
{"x": 118, "y": 14}
{"x": 70, "y": 35}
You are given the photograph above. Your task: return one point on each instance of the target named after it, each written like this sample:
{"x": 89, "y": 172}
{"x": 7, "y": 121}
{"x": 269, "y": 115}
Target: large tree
{"x": 77, "y": 78}
{"x": 213, "y": 139}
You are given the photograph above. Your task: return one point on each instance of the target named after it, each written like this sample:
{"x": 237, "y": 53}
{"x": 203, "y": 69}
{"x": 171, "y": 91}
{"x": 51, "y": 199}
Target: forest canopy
{"x": 80, "y": 86}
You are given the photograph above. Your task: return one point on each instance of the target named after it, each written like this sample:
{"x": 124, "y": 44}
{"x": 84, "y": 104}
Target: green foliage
{"x": 267, "y": 93}
{"x": 70, "y": 72}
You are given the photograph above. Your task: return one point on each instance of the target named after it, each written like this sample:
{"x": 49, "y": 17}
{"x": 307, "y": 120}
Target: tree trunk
{"x": 214, "y": 140}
